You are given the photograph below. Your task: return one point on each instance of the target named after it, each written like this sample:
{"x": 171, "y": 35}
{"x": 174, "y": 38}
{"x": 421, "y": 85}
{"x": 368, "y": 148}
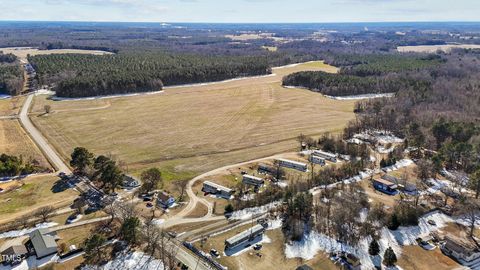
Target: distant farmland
{"x": 187, "y": 130}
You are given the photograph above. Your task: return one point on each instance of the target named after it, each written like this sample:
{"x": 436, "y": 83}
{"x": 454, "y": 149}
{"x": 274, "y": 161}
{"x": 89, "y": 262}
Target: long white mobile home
{"x": 217, "y": 189}
{"x": 292, "y": 164}
{"x": 325, "y": 155}
{"x": 244, "y": 236}
{"x": 252, "y": 180}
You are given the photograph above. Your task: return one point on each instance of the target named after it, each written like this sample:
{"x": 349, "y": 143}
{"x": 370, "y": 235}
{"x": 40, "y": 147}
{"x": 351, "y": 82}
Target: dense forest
{"x": 11, "y": 75}
{"x": 78, "y": 75}
{"x": 443, "y": 117}
{"x": 367, "y": 74}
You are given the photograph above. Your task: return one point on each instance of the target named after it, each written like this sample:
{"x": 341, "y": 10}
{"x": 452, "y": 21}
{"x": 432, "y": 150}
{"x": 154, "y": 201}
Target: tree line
{"x": 76, "y": 75}
{"x": 15, "y": 165}
{"x": 367, "y": 74}
{"x": 11, "y": 75}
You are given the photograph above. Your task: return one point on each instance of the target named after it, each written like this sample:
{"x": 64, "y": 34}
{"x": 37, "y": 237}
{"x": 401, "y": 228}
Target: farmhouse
{"x": 244, "y": 236}
{"x": 325, "y": 155}
{"x": 165, "y": 200}
{"x": 385, "y": 186}
{"x": 213, "y": 188}
{"x": 42, "y": 242}
{"x": 317, "y": 160}
{"x": 292, "y": 164}
{"x": 467, "y": 253}
{"x": 252, "y": 180}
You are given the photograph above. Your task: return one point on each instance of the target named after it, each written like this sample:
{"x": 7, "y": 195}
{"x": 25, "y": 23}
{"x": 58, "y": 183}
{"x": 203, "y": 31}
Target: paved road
{"x": 38, "y": 138}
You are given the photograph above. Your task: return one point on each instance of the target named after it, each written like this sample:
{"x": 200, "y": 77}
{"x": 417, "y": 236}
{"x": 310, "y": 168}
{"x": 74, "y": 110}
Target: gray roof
{"x": 15, "y": 250}
{"x": 239, "y": 237}
{"x": 43, "y": 242}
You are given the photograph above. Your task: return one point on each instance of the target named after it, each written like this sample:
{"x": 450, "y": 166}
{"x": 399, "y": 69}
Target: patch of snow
{"x": 107, "y": 96}
{"x": 364, "y": 96}
{"x": 2, "y": 96}
{"x": 274, "y": 224}
{"x": 247, "y": 213}
{"x": 130, "y": 261}
{"x": 17, "y": 233}
{"x": 158, "y": 221}
{"x": 408, "y": 235}
{"x": 282, "y": 184}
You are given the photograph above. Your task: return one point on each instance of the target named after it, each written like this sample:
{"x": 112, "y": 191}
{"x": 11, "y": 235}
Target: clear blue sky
{"x": 241, "y": 10}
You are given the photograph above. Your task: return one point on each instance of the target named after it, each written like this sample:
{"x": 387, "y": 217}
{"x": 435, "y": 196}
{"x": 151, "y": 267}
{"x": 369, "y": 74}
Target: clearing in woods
{"x": 23, "y": 52}
{"x": 191, "y": 129}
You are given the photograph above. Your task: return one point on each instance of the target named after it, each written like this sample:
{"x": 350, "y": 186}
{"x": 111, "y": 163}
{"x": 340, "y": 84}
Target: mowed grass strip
{"x": 188, "y": 130}
{"x": 15, "y": 141}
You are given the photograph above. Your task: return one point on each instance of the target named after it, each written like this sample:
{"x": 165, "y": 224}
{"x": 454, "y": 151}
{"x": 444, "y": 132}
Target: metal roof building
{"x": 244, "y": 236}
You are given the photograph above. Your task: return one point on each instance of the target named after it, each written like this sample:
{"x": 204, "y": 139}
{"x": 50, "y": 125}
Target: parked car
{"x": 257, "y": 247}
{"x": 214, "y": 252}
{"x": 149, "y": 204}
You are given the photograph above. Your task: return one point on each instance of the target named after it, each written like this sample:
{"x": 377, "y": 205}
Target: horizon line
{"x": 206, "y": 22}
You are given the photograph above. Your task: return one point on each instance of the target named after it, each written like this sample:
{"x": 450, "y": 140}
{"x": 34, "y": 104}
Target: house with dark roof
{"x": 42, "y": 242}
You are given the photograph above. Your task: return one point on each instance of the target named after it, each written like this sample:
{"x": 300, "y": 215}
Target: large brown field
{"x": 191, "y": 129}
{"x": 15, "y": 141}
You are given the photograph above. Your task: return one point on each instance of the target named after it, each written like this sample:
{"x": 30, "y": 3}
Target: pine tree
{"x": 374, "y": 248}
{"x": 389, "y": 257}
{"x": 393, "y": 223}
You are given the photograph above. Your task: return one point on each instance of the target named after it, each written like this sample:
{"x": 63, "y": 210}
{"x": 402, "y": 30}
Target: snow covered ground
{"x": 130, "y": 261}
{"x": 31, "y": 263}
{"x": 247, "y": 213}
{"x": 365, "y": 96}
{"x": 17, "y": 233}
{"x": 314, "y": 242}
{"x": 400, "y": 164}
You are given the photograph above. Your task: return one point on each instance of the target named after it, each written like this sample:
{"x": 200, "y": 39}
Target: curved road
{"x": 38, "y": 138}
{"x": 179, "y": 218}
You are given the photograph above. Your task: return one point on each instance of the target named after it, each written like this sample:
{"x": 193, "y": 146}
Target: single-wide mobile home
{"x": 292, "y": 164}
{"x": 385, "y": 186}
{"x": 325, "y": 155}
{"x": 217, "y": 189}
{"x": 244, "y": 236}
{"x": 317, "y": 160}
{"x": 252, "y": 180}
